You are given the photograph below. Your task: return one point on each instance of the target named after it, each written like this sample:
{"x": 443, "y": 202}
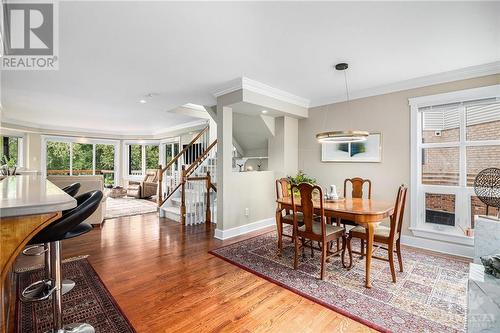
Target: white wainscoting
{"x": 438, "y": 246}
{"x": 244, "y": 229}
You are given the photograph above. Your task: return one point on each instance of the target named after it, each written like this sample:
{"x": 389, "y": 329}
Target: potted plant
{"x": 9, "y": 166}
{"x": 301, "y": 177}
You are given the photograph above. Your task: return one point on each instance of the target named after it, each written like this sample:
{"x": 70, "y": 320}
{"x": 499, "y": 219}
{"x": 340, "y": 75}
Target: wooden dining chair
{"x": 390, "y": 236}
{"x": 315, "y": 226}
{"x": 357, "y": 185}
{"x": 284, "y": 216}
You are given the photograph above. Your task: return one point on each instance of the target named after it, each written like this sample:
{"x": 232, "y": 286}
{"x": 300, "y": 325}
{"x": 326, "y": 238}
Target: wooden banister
{"x": 176, "y": 157}
{"x": 200, "y": 158}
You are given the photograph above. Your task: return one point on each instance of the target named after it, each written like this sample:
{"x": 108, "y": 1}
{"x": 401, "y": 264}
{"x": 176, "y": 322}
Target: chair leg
{"x": 400, "y": 258}
{"x": 391, "y": 263}
{"x": 362, "y": 249}
{"x": 349, "y": 250}
{"x": 312, "y": 250}
{"x": 303, "y": 247}
{"x": 296, "y": 253}
{"x": 280, "y": 236}
{"x": 342, "y": 255}
{"x": 323, "y": 261}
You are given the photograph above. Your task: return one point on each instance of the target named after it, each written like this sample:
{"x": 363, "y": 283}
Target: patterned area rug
{"x": 429, "y": 296}
{"x": 117, "y": 207}
{"x": 89, "y": 302}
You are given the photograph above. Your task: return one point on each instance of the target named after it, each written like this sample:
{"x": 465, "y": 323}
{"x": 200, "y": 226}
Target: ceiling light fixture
{"x": 264, "y": 111}
{"x": 142, "y": 101}
{"x": 346, "y": 135}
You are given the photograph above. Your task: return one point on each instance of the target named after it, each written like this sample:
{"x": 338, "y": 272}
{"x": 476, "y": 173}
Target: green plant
{"x": 10, "y": 162}
{"x": 301, "y": 177}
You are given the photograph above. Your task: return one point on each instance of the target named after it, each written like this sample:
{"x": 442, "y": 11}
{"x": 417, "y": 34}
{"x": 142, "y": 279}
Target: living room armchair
{"x": 145, "y": 188}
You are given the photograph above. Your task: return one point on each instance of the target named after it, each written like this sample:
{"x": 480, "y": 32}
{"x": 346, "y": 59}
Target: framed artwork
{"x": 369, "y": 150}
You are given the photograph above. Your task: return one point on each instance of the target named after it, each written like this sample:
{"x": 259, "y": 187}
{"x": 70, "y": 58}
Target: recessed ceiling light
{"x": 264, "y": 111}
{"x": 142, "y": 101}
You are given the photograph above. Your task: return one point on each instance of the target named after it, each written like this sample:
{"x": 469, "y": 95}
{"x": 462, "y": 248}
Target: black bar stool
{"x": 70, "y": 225}
{"x": 40, "y": 290}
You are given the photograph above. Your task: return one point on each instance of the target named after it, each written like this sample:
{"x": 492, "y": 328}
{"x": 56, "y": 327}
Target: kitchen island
{"x": 28, "y": 203}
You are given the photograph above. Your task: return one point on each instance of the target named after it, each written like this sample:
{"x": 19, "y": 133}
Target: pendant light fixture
{"x": 342, "y": 136}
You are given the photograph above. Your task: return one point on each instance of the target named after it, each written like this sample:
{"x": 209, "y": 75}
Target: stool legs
{"x": 56, "y": 276}
{"x": 42, "y": 289}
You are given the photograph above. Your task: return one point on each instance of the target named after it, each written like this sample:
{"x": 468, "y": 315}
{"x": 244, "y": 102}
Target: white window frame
{"x": 163, "y": 144}
{"x": 462, "y": 193}
{"x": 20, "y": 147}
{"x": 143, "y": 144}
{"x": 71, "y": 141}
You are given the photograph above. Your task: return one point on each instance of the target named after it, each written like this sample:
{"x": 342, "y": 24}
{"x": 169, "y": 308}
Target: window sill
{"x": 451, "y": 235}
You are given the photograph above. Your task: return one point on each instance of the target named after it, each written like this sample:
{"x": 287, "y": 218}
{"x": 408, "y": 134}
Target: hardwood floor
{"x": 164, "y": 280}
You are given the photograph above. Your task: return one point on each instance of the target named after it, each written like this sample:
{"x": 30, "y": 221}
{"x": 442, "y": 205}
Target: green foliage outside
{"x": 301, "y": 177}
{"x": 152, "y": 157}
{"x": 135, "y": 156}
{"x": 11, "y": 157}
{"x": 58, "y": 155}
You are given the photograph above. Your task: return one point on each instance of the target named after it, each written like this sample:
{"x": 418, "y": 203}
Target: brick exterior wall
{"x": 441, "y": 165}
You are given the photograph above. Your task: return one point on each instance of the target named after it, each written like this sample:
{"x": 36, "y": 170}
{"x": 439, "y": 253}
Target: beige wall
{"x": 388, "y": 114}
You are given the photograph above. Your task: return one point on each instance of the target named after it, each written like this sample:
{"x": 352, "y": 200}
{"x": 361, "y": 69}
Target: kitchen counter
{"x": 31, "y": 194}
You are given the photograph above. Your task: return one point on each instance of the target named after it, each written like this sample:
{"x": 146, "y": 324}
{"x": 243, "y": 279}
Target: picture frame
{"x": 368, "y": 151}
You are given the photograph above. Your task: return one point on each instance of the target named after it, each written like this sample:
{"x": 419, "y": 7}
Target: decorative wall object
{"x": 369, "y": 150}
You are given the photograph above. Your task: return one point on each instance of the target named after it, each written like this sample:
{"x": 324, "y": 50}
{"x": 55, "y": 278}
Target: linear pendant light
{"x": 342, "y": 136}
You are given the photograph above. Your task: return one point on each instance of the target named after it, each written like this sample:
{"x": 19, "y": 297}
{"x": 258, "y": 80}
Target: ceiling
{"x": 111, "y": 54}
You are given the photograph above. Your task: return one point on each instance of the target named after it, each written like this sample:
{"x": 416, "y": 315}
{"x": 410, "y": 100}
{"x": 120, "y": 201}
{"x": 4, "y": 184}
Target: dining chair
{"x": 357, "y": 185}
{"x": 315, "y": 226}
{"x": 390, "y": 236}
{"x": 284, "y": 216}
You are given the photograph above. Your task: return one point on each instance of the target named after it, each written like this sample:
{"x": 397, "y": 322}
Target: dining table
{"x": 367, "y": 213}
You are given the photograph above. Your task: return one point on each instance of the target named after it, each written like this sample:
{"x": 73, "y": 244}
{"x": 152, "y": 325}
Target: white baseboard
{"x": 438, "y": 246}
{"x": 244, "y": 229}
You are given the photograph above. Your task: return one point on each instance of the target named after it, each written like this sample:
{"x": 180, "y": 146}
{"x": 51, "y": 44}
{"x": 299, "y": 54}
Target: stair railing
{"x": 170, "y": 177}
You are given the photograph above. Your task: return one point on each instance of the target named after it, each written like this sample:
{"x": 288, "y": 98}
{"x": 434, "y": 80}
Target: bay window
{"x": 454, "y": 137}
{"x": 11, "y": 149}
{"x": 141, "y": 158}
{"x": 80, "y": 157}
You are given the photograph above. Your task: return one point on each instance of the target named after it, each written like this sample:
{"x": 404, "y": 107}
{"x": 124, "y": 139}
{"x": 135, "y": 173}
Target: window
{"x": 11, "y": 149}
{"x": 152, "y": 157}
{"x": 135, "y": 160}
{"x": 171, "y": 150}
{"x": 58, "y": 158}
{"x": 454, "y": 137}
{"x": 105, "y": 162}
{"x": 82, "y": 159}
{"x": 70, "y": 156}
{"x": 141, "y": 158}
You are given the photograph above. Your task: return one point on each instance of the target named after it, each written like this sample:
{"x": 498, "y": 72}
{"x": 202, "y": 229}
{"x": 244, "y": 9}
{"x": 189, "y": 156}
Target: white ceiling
{"x": 113, "y": 53}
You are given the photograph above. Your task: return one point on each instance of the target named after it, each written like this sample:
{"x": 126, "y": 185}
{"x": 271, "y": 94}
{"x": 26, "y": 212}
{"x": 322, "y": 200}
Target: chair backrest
{"x": 399, "y": 209}
{"x": 151, "y": 177}
{"x": 307, "y": 206}
{"x": 282, "y": 188}
{"x": 87, "y": 204}
{"x": 72, "y": 189}
{"x": 357, "y": 187}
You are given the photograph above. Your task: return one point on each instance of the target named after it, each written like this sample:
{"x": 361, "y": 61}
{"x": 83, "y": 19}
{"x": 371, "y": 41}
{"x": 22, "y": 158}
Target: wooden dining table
{"x": 365, "y": 212}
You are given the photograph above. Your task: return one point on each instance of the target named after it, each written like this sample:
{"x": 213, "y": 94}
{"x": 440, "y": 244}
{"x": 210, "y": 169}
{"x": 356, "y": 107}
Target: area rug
{"x": 118, "y": 207}
{"x": 88, "y": 302}
{"x": 429, "y": 296}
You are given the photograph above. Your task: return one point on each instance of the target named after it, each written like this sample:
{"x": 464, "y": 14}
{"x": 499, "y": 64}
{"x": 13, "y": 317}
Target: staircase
{"x": 187, "y": 185}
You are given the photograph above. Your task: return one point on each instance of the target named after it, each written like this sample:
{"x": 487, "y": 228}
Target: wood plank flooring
{"x": 163, "y": 278}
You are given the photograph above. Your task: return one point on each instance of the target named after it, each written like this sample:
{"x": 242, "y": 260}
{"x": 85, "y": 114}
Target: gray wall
{"x": 388, "y": 114}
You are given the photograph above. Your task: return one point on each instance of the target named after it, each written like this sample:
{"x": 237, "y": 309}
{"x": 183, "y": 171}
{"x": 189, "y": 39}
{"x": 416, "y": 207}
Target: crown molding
{"x": 245, "y": 83}
{"x": 28, "y": 127}
{"x": 424, "y": 81}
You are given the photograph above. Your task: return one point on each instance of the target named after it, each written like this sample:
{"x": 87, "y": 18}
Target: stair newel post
{"x": 159, "y": 197}
{"x": 183, "y": 195}
{"x": 208, "y": 217}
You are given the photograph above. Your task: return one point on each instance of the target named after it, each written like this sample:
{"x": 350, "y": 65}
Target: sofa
{"x": 88, "y": 183}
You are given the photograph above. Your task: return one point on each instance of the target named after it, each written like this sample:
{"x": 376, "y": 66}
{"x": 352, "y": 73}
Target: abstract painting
{"x": 369, "y": 150}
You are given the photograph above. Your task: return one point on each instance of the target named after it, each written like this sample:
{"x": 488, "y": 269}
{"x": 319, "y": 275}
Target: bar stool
{"x": 39, "y": 290}
{"x": 70, "y": 225}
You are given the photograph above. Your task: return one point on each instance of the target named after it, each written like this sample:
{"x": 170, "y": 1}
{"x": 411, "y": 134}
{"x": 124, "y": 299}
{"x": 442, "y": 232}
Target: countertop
{"x": 31, "y": 194}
